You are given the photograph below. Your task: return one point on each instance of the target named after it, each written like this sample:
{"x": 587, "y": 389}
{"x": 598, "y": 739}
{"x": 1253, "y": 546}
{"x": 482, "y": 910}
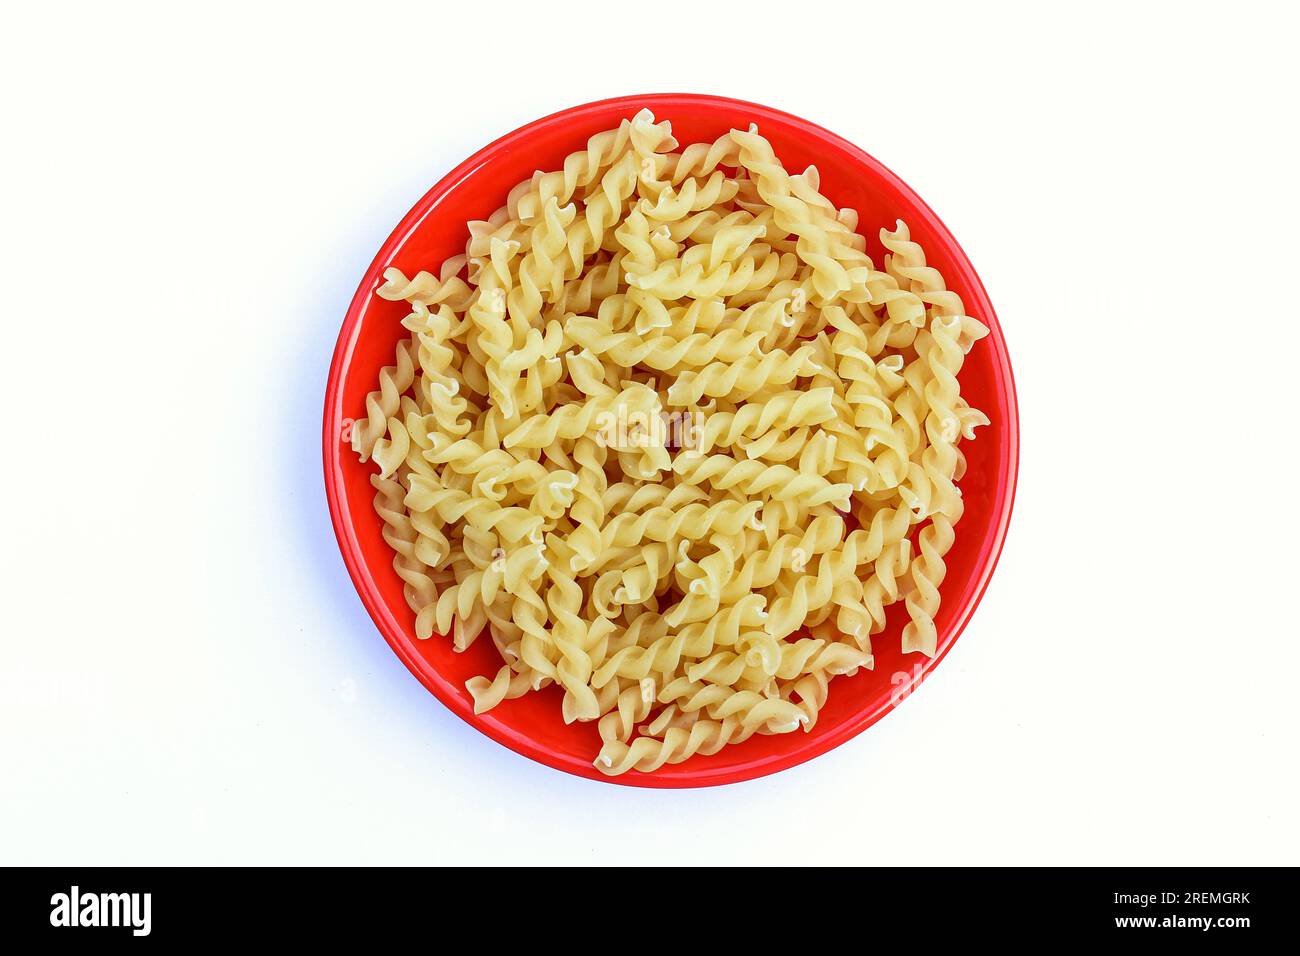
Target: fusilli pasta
{"x": 671, "y": 440}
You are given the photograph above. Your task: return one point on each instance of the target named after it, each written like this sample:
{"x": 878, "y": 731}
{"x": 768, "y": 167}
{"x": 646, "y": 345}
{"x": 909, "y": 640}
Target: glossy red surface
{"x": 435, "y": 229}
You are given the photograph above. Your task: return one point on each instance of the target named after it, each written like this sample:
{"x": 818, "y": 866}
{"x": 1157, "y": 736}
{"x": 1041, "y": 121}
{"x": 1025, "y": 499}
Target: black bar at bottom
{"x": 353, "y": 906}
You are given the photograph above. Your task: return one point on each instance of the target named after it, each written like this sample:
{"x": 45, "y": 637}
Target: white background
{"x": 189, "y": 200}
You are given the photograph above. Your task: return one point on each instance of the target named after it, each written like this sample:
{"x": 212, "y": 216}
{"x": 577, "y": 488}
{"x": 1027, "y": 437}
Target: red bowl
{"x": 435, "y": 229}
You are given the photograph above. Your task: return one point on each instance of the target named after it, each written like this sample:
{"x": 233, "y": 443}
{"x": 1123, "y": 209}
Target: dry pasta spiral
{"x": 667, "y": 439}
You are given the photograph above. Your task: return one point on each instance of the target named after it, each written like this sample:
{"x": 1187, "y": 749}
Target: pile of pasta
{"x": 669, "y": 439}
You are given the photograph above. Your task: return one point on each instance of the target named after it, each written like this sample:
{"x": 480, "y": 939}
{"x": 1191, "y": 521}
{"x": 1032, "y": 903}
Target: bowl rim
{"x": 400, "y": 642}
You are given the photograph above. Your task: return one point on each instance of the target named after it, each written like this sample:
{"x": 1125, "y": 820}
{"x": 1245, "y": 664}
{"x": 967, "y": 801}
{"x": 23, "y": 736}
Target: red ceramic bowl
{"x": 435, "y": 229}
